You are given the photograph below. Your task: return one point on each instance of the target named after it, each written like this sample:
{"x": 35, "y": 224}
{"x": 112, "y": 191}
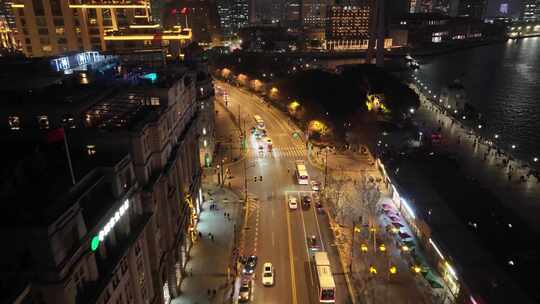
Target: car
{"x": 313, "y": 243}
{"x": 249, "y": 267}
{"x": 245, "y": 291}
{"x": 268, "y": 274}
{"x": 315, "y": 185}
{"x": 293, "y": 204}
{"x": 319, "y": 207}
{"x": 306, "y": 201}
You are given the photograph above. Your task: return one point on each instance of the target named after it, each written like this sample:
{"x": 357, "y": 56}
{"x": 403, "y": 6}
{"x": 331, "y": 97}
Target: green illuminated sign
{"x": 94, "y": 244}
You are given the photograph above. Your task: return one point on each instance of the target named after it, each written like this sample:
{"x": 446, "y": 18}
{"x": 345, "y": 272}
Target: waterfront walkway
{"x": 508, "y": 179}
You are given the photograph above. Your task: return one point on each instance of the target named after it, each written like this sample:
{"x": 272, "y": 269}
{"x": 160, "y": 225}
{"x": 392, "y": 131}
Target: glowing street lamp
{"x": 479, "y": 126}
{"x": 382, "y": 248}
{"x": 372, "y": 269}
{"x": 405, "y": 248}
{"x": 363, "y": 248}
{"x": 535, "y": 159}
{"x": 416, "y": 269}
{"x": 514, "y": 147}
{"x": 411, "y": 110}
{"x": 496, "y": 136}
{"x": 393, "y": 270}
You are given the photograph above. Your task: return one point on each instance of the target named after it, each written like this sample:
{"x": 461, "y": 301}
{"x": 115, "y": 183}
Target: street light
{"x": 393, "y": 270}
{"x": 382, "y": 248}
{"x": 514, "y": 147}
{"x": 479, "y": 126}
{"x": 496, "y": 136}
{"x": 535, "y": 159}
{"x": 363, "y": 248}
{"x": 411, "y": 110}
{"x": 416, "y": 269}
{"x": 405, "y": 248}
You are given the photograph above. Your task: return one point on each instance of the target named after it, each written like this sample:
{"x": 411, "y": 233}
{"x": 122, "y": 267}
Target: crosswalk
{"x": 293, "y": 152}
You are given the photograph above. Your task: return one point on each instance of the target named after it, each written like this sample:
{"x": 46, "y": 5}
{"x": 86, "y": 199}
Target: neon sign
{"x": 109, "y": 226}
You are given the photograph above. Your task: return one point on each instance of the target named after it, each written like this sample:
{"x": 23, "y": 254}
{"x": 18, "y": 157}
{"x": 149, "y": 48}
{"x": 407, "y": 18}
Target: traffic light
{"x": 254, "y": 178}
{"x": 260, "y": 178}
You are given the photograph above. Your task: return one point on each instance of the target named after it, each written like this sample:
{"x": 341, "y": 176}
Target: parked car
{"x": 315, "y": 185}
{"x": 268, "y": 274}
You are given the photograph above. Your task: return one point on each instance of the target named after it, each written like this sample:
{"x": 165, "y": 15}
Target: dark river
{"x": 502, "y": 81}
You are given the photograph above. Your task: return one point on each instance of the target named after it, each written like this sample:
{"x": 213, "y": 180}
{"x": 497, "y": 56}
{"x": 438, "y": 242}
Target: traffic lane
{"x": 273, "y": 245}
{"x": 303, "y": 271}
{"x": 342, "y": 291}
{"x": 253, "y": 105}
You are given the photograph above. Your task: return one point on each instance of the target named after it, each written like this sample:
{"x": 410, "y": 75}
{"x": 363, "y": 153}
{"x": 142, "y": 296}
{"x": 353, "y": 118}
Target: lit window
{"x": 43, "y": 121}
{"x": 154, "y": 101}
{"x": 47, "y": 48}
{"x": 91, "y": 149}
{"x": 205, "y": 143}
{"x": 204, "y": 131}
{"x": 60, "y": 30}
{"x": 14, "y": 123}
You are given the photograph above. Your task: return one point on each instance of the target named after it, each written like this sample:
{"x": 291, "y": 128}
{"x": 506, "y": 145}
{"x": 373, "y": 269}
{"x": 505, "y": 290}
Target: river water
{"x": 502, "y": 81}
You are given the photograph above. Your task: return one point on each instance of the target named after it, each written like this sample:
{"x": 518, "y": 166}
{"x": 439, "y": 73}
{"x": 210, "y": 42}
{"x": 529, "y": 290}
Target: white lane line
{"x": 273, "y": 239}
{"x": 318, "y": 227}
{"x": 305, "y": 237}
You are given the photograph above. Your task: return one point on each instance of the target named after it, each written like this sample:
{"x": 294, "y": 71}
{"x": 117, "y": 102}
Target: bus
{"x": 301, "y": 173}
{"x": 326, "y": 287}
{"x": 259, "y": 122}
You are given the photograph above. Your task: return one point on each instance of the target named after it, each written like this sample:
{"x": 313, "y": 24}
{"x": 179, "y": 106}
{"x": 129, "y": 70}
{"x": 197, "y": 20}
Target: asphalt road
{"x": 273, "y": 232}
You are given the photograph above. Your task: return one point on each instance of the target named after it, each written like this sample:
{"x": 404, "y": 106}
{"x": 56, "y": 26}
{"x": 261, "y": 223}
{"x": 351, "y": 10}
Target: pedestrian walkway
{"x": 211, "y": 258}
{"x": 509, "y": 179}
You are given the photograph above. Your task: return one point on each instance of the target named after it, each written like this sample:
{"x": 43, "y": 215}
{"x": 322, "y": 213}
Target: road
{"x": 273, "y": 232}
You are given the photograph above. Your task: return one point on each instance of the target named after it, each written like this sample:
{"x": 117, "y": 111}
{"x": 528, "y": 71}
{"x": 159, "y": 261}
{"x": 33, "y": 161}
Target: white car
{"x": 268, "y": 274}
{"x": 315, "y": 185}
{"x": 293, "y": 204}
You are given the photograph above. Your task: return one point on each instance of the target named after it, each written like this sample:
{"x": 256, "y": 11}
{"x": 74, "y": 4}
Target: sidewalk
{"x": 207, "y": 267}
{"x": 508, "y": 179}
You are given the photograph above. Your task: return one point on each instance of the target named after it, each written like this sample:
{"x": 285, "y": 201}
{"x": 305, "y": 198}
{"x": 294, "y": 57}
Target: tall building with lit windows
{"x": 314, "y": 12}
{"x": 348, "y": 27}
{"x": 530, "y": 10}
{"x": 51, "y": 27}
{"x": 117, "y": 221}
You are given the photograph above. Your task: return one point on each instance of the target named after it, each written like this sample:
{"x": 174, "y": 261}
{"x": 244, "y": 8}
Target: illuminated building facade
{"x": 348, "y": 27}
{"x": 119, "y": 230}
{"x": 531, "y": 10}
{"x": 472, "y": 8}
{"x": 314, "y": 13}
{"x": 7, "y": 36}
{"x": 51, "y": 27}
{"x": 202, "y": 17}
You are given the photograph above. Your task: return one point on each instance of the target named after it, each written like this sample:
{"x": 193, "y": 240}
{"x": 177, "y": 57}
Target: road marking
{"x": 318, "y": 228}
{"x": 273, "y": 240}
{"x": 305, "y": 240}
{"x": 293, "y": 279}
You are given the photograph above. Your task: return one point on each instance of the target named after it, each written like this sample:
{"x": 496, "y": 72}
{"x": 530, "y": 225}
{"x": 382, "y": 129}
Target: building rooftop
{"x": 30, "y": 195}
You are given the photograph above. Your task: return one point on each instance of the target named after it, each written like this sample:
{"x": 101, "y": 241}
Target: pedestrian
{"x": 224, "y": 214}
{"x": 200, "y": 234}
{"x": 212, "y": 237}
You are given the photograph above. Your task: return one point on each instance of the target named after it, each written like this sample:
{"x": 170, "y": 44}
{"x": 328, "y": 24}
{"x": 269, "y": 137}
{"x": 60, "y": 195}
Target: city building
{"x": 530, "y": 10}
{"x": 47, "y": 28}
{"x": 421, "y": 30}
{"x": 7, "y": 35}
{"x": 224, "y": 8}
{"x": 520, "y": 29}
{"x": 348, "y": 27}
{"x": 468, "y": 8}
{"x": 233, "y": 15}
{"x": 202, "y": 17}
{"x": 116, "y": 222}
{"x": 314, "y": 13}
